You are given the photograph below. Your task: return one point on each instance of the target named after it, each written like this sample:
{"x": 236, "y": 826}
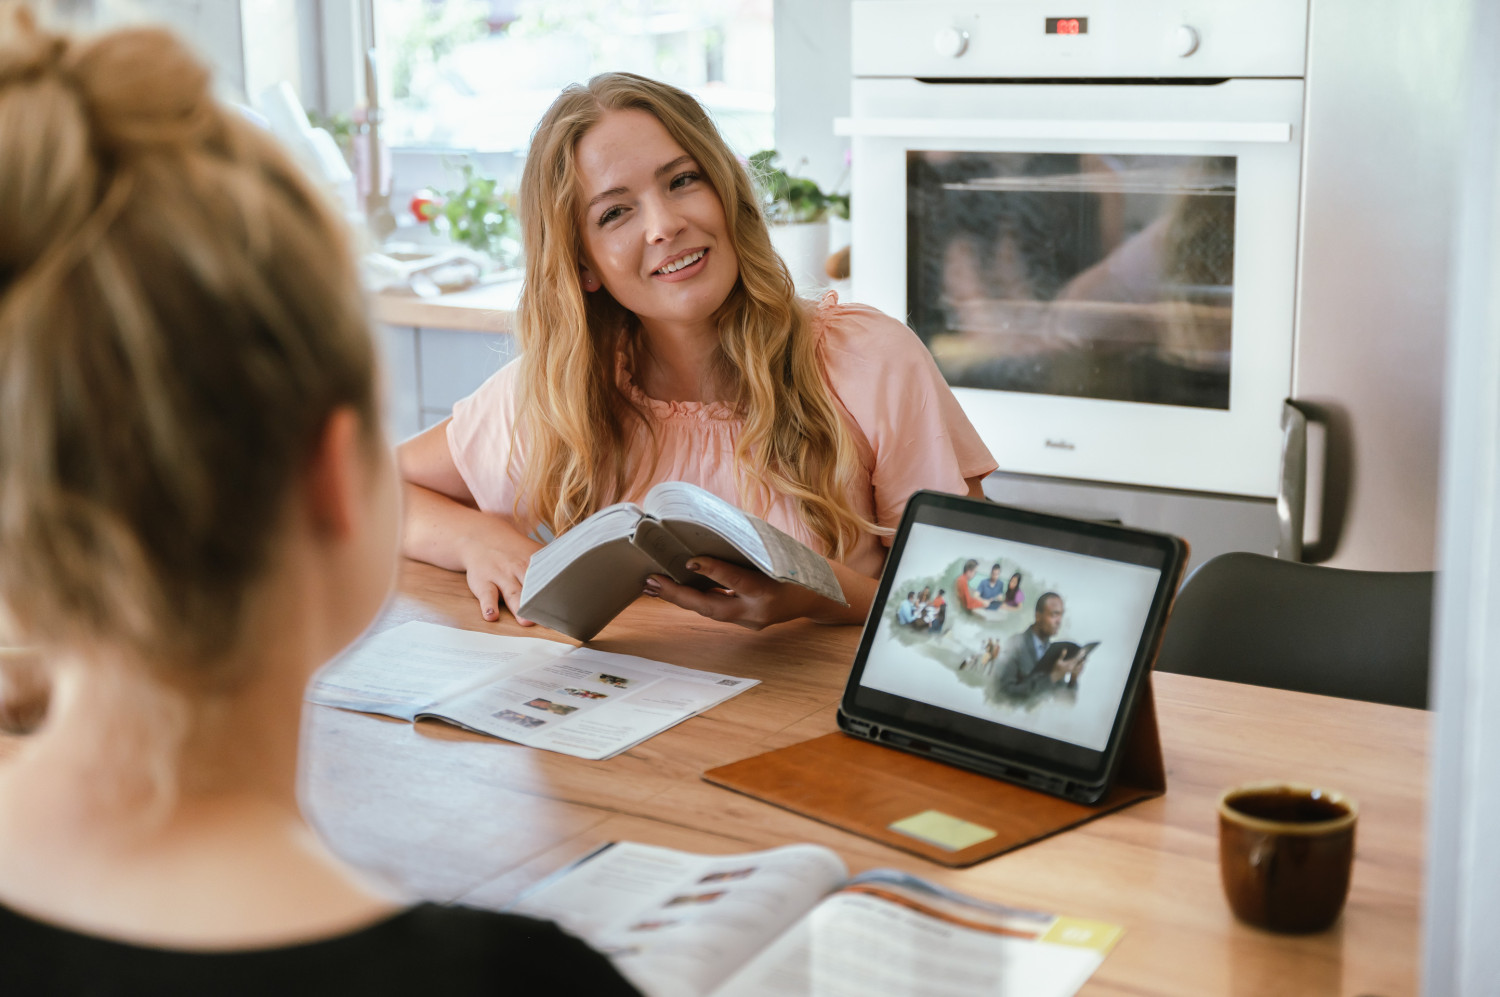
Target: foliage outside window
{"x": 477, "y": 74}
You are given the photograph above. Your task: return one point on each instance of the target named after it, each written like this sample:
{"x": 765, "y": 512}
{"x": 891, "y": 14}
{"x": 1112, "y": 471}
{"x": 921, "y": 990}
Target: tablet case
{"x": 863, "y": 787}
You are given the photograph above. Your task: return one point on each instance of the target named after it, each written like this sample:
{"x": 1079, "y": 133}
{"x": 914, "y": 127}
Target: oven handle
{"x": 1127, "y": 131}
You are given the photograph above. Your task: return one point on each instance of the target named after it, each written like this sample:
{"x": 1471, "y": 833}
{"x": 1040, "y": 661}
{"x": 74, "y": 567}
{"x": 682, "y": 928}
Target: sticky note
{"x": 944, "y": 830}
{"x": 1083, "y": 934}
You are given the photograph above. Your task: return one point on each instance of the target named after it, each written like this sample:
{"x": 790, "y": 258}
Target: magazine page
{"x": 676, "y": 924}
{"x": 887, "y": 934}
{"x": 587, "y": 703}
{"x": 400, "y": 672}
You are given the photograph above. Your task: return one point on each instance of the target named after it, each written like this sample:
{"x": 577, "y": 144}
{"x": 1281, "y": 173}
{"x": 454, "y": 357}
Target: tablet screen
{"x": 1011, "y": 632}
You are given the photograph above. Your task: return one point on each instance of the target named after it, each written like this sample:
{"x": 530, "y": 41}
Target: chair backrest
{"x": 1357, "y": 634}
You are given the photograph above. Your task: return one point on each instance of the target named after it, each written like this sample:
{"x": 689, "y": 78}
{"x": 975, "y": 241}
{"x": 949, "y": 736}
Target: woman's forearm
{"x": 441, "y": 531}
{"x": 859, "y": 592}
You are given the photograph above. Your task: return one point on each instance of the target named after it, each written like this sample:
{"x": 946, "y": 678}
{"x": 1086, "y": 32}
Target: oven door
{"x": 1104, "y": 273}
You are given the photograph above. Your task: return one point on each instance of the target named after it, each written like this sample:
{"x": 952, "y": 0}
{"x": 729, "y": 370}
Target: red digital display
{"x": 1067, "y": 25}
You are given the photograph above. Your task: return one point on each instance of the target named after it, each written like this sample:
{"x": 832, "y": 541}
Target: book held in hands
{"x": 586, "y": 577}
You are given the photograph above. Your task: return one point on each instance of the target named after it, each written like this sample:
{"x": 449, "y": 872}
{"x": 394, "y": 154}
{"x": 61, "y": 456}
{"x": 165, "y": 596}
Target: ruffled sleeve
{"x": 482, "y": 440}
{"x": 885, "y": 377}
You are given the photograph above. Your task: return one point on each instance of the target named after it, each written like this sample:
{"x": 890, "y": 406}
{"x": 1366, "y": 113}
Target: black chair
{"x": 1255, "y": 619}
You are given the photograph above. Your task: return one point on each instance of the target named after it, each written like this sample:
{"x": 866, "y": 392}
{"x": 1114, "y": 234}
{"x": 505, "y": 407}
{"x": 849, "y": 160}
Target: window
{"x": 478, "y": 74}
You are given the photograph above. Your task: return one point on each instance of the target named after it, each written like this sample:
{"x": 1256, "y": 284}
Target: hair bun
{"x": 143, "y": 91}
{"x": 25, "y": 52}
{"x": 78, "y": 113}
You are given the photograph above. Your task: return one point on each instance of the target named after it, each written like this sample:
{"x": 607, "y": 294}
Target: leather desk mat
{"x": 863, "y": 787}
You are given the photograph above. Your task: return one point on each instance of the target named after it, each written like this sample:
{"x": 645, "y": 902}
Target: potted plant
{"x": 479, "y": 215}
{"x": 797, "y": 211}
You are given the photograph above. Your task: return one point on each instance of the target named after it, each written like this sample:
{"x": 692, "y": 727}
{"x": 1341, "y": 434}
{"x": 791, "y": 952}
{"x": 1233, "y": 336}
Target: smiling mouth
{"x": 682, "y": 262}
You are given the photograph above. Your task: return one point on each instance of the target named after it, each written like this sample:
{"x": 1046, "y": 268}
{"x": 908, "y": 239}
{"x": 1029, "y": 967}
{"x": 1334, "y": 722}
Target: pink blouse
{"x": 907, "y": 425}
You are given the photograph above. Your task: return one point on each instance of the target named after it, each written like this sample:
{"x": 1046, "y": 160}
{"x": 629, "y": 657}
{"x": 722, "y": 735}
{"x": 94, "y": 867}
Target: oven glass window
{"x": 1092, "y": 276}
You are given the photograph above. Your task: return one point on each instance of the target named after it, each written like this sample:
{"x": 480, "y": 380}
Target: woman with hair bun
{"x": 197, "y": 508}
{"x": 661, "y": 339}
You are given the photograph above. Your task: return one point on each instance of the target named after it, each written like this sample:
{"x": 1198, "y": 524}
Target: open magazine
{"x": 574, "y": 700}
{"x": 791, "y": 922}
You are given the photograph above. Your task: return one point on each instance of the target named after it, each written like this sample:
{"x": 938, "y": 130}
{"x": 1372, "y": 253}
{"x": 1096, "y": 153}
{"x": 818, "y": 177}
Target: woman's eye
{"x": 683, "y": 179}
{"x": 610, "y": 215}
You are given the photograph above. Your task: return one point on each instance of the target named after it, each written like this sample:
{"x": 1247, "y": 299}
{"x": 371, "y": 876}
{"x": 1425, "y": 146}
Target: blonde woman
{"x": 662, "y": 340}
{"x": 197, "y": 508}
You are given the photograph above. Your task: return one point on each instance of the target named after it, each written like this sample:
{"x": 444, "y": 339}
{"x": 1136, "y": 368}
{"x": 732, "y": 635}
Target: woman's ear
{"x": 335, "y": 475}
{"x": 587, "y": 279}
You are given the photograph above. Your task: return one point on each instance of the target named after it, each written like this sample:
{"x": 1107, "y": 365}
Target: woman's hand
{"x": 443, "y": 527}
{"x": 749, "y": 599}
{"x": 495, "y": 567}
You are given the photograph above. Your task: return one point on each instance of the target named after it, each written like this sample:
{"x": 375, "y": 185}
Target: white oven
{"x": 1088, "y": 211}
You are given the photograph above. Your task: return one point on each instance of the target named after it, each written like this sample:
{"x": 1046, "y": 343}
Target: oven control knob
{"x": 1185, "y": 41}
{"x": 952, "y": 42}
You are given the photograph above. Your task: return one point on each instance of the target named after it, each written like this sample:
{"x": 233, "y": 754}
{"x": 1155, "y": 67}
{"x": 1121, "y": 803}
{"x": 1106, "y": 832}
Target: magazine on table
{"x": 542, "y": 693}
{"x": 791, "y": 922}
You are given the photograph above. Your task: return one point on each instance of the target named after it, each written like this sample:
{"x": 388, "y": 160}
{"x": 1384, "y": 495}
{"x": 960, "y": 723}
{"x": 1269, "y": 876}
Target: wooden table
{"x": 452, "y": 815}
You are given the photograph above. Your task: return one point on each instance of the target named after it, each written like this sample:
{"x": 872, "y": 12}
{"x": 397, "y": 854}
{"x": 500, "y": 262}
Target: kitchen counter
{"x": 483, "y": 308}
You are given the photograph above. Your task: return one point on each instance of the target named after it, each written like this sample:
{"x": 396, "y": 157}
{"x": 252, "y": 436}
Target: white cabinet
{"x": 427, "y": 370}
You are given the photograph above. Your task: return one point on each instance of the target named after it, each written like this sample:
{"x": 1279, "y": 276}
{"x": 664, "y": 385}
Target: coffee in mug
{"x": 1285, "y": 853}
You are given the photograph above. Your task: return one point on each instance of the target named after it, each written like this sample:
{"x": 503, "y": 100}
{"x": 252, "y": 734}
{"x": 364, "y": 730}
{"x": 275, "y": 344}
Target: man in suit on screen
{"x": 1019, "y": 676}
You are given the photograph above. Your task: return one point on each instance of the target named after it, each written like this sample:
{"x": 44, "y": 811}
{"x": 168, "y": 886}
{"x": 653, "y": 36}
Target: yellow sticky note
{"x": 944, "y": 830}
{"x": 1083, "y": 934}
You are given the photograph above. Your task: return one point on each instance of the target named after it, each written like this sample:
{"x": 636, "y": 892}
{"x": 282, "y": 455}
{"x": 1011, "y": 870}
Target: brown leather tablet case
{"x": 864, "y": 788}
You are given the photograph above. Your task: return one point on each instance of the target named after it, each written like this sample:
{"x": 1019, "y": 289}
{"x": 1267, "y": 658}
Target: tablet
{"x": 1011, "y": 642}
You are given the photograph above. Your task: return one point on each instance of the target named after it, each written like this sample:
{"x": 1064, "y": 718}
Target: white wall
{"x": 1462, "y": 916}
{"x": 812, "y": 87}
{"x": 212, "y": 27}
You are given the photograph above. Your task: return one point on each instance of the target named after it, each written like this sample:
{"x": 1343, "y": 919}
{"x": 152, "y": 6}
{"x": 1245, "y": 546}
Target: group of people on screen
{"x": 204, "y": 508}
{"x": 990, "y": 593}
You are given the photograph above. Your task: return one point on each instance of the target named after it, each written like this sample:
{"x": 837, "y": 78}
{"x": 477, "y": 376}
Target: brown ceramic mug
{"x": 1285, "y": 853}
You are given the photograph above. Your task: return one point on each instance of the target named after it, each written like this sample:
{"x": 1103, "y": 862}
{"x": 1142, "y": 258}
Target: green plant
{"x": 788, "y": 199}
{"x": 480, "y": 215}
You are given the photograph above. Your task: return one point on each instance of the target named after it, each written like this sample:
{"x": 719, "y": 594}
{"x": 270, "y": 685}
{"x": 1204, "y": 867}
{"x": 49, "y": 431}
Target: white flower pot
{"x": 804, "y": 249}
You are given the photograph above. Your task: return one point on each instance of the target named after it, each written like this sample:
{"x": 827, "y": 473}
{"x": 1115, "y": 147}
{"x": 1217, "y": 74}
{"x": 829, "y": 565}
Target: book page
{"x": 588, "y": 703}
{"x": 690, "y": 510}
{"x": 679, "y": 501}
{"x": 399, "y": 672}
{"x": 891, "y": 935}
{"x": 794, "y": 561}
{"x": 675, "y": 923}
{"x": 610, "y": 523}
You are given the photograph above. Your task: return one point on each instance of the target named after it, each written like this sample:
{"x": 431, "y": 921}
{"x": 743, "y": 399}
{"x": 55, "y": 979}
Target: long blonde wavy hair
{"x": 575, "y": 420}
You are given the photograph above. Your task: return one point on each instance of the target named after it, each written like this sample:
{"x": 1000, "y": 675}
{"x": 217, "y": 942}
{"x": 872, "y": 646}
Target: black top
{"x": 425, "y": 949}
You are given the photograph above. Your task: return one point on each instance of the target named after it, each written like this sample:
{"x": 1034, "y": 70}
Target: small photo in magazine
{"x": 694, "y": 899}
{"x": 614, "y": 680}
{"x": 560, "y": 709}
{"x": 650, "y": 925}
{"x": 519, "y": 719}
{"x": 585, "y": 693}
{"x": 728, "y": 876}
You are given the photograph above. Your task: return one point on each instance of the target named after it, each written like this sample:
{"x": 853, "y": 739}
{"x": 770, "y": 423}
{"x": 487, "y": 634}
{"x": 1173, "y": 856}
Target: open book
{"x": 586, "y": 577}
{"x": 790, "y": 922}
{"x": 546, "y": 694}
{"x": 1060, "y": 649}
